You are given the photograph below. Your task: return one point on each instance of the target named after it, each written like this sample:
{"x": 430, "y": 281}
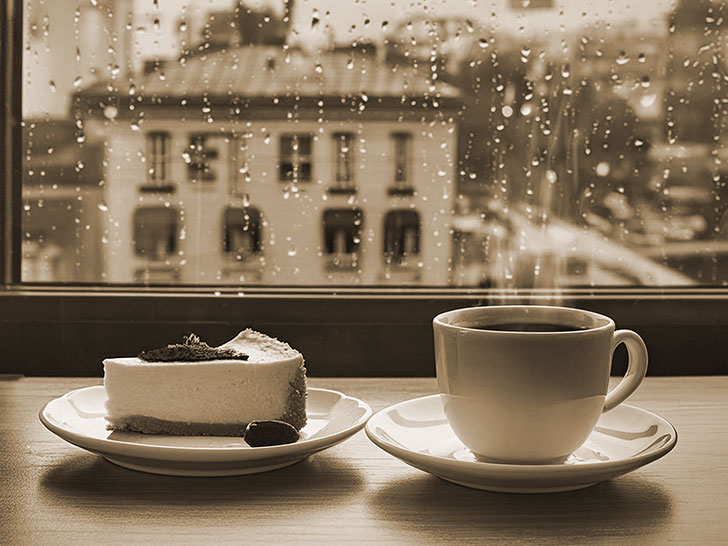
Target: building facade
{"x": 262, "y": 164}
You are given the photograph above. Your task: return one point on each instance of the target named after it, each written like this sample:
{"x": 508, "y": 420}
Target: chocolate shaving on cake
{"x": 192, "y": 350}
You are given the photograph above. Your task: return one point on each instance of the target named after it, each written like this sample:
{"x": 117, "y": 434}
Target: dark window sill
{"x": 158, "y": 188}
{"x": 403, "y": 191}
{"x": 54, "y": 331}
{"x": 342, "y": 190}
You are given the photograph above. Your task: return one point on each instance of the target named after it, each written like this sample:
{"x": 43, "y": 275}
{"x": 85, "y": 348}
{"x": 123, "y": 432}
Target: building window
{"x": 158, "y": 160}
{"x": 155, "y": 232}
{"x": 342, "y": 237}
{"x": 201, "y": 158}
{"x": 401, "y": 235}
{"x": 295, "y": 158}
{"x": 402, "y": 163}
{"x": 240, "y": 166}
{"x": 343, "y": 163}
{"x": 242, "y": 230}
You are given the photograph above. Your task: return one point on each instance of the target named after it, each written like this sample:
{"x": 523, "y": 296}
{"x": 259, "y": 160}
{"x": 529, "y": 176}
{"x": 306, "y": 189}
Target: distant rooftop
{"x": 272, "y": 71}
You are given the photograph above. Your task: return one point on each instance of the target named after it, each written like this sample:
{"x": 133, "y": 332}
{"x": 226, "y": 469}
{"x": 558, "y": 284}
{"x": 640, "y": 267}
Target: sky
{"x": 317, "y": 21}
{"x": 316, "y": 25}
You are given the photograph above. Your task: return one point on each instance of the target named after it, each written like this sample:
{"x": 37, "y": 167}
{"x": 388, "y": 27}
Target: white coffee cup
{"x": 531, "y": 397}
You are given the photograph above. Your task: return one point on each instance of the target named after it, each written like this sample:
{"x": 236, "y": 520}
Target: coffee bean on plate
{"x": 269, "y": 433}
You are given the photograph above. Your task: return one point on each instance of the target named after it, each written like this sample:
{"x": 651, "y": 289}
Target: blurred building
{"x": 64, "y": 50}
{"x": 265, "y": 164}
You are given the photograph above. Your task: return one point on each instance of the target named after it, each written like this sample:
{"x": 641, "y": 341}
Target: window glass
{"x": 295, "y": 158}
{"x": 158, "y": 154}
{"x": 202, "y": 156}
{"x": 510, "y": 144}
{"x": 401, "y": 236}
{"x": 402, "y": 143}
{"x": 343, "y": 162}
{"x": 242, "y": 237}
{"x": 155, "y": 232}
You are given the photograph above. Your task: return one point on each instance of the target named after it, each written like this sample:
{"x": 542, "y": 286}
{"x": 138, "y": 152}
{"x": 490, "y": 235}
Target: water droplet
{"x": 648, "y": 100}
{"x": 78, "y": 81}
{"x": 551, "y": 176}
{"x": 483, "y": 43}
{"x": 110, "y": 112}
{"x": 623, "y": 58}
{"x": 52, "y": 86}
{"x": 292, "y": 251}
{"x": 350, "y": 64}
{"x": 103, "y": 207}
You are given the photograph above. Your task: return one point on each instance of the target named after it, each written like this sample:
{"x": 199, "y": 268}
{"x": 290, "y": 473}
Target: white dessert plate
{"x": 79, "y": 417}
{"x": 417, "y": 432}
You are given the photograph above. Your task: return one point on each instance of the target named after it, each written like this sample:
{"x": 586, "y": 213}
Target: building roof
{"x": 272, "y": 71}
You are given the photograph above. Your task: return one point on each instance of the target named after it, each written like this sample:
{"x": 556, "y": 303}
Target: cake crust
{"x": 151, "y": 425}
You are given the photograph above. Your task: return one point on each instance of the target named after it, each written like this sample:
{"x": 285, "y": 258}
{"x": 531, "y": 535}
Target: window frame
{"x": 295, "y": 158}
{"x": 394, "y": 231}
{"x": 342, "y": 261}
{"x": 255, "y": 220}
{"x": 139, "y": 250}
{"x": 202, "y": 164}
{"x": 159, "y": 178}
{"x": 343, "y": 160}
{"x": 67, "y": 329}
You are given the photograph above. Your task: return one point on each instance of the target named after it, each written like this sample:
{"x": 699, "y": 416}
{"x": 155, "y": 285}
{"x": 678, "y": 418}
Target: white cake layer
{"x": 262, "y": 348}
{"x": 217, "y": 391}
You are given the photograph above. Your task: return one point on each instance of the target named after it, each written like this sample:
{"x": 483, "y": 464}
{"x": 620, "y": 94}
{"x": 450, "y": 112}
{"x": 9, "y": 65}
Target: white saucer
{"x": 79, "y": 418}
{"x": 417, "y": 432}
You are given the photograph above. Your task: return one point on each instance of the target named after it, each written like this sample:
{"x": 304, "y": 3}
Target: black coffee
{"x": 528, "y": 327}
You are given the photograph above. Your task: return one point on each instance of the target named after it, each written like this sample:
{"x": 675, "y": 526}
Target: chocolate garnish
{"x": 192, "y": 350}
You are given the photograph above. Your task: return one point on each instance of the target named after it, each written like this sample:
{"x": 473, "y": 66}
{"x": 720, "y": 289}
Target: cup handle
{"x": 636, "y": 368}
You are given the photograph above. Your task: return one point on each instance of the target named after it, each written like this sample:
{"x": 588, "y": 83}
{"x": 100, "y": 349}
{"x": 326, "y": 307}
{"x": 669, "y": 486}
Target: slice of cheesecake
{"x": 194, "y": 389}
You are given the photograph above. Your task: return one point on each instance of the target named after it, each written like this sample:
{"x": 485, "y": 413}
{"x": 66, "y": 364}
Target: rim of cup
{"x": 544, "y": 313}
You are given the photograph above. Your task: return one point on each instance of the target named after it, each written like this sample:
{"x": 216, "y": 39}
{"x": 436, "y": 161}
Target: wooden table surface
{"x": 54, "y": 493}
